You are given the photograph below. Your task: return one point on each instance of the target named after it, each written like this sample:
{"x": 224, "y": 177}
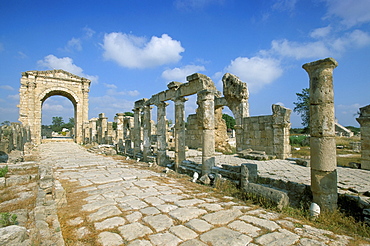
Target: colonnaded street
{"x": 115, "y": 202}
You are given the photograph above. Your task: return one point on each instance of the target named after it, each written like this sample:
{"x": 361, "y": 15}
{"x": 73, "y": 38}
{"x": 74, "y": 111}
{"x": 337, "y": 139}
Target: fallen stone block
{"x": 12, "y": 235}
{"x": 277, "y": 197}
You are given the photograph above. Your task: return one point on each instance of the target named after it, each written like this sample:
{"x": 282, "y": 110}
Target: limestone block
{"x": 322, "y": 120}
{"x": 277, "y": 197}
{"x": 324, "y": 188}
{"x": 323, "y": 154}
{"x": 13, "y": 235}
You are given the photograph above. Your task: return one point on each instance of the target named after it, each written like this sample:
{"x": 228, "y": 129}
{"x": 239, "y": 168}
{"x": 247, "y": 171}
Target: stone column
{"x": 364, "y": 121}
{"x": 137, "y": 131}
{"x": 206, "y": 112}
{"x": 179, "y": 130}
{"x": 147, "y": 132}
{"x": 322, "y": 127}
{"x": 93, "y": 130}
{"x": 119, "y": 130}
{"x": 161, "y": 133}
{"x": 103, "y": 124}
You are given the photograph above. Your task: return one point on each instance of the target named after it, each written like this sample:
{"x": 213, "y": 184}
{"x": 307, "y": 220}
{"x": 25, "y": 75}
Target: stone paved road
{"x": 132, "y": 206}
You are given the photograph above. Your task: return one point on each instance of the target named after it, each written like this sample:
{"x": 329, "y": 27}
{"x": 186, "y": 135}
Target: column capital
{"x": 179, "y": 100}
{"x": 162, "y": 104}
{"x": 330, "y": 63}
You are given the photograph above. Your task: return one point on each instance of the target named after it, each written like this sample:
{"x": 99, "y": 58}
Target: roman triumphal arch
{"x": 37, "y": 86}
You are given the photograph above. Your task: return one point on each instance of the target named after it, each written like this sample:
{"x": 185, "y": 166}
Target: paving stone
{"x": 310, "y": 242}
{"x": 188, "y": 202}
{"x": 150, "y": 211}
{"x": 286, "y": 224}
{"x": 193, "y": 242}
{"x": 110, "y": 223}
{"x": 145, "y": 183}
{"x": 103, "y": 213}
{"x": 211, "y": 206}
{"x": 76, "y": 221}
{"x": 110, "y": 239}
{"x": 164, "y": 239}
{"x": 183, "y": 232}
{"x": 133, "y": 217}
{"x": 225, "y": 237}
{"x": 136, "y": 204}
{"x": 245, "y": 228}
{"x": 159, "y": 222}
{"x": 281, "y": 237}
{"x": 165, "y": 208}
{"x": 98, "y": 204}
{"x": 171, "y": 197}
{"x": 199, "y": 225}
{"x": 155, "y": 201}
{"x": 185, "y": 214}
{"x": 140, "y": 243}
{"x": 222, "y": 217}
{"x": 135, "y": 230}
{"x": 267, "y": 224}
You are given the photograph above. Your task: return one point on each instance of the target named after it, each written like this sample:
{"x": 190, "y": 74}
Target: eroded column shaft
{"x": 147, "y": 132}
{"x": 207, "y": 115}
{"x": 322, "y": 127}
{"x": 364, "y": 121}
{"x": 137, "y": 131}
{"x": 161, "y": 133}
{"x": 179, "y": 131}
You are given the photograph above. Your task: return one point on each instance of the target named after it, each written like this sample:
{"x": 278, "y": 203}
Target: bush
{"x": 7, "y": 219}
{"x": 3, "y": 171}
{"x": 298, "y": 140}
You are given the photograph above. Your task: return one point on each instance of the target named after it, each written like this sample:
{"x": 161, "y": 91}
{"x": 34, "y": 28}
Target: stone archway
{"x": 37, "y": 86}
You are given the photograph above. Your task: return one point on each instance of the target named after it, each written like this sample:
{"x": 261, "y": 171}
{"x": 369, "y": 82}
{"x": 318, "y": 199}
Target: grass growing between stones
{"x": 75, "y": 201}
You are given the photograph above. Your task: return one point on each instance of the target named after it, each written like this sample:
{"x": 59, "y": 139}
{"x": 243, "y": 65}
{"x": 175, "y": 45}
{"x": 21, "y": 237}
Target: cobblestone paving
{"x": 349, "y": 180}
{"x": 132, "y": 206}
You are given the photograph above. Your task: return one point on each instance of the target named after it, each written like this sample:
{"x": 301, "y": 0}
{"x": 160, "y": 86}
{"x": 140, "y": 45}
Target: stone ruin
{"x": 205, "y": 130}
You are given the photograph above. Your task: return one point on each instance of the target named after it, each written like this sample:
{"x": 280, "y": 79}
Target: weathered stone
{"x": 183, "y": 232}
{"x": 110, "y": 239}
{"x": 224, "y": 236}
{"x": 12, "y": 235}
{"x": 222, "y": 217}
{"x": 165, "y": 239}
{"x": 267, "y": 224}
{"x": 104, "y": 212}
{"x": 110, "y": 223}
{"x": 244, "y": 228}
{"x": 159, "y": 222}
{"x": 185, "y": 214}
{"x": 282, "y": 237}
{"x": 276, "y": 197}
{"x": 134, "y": 230}
{"x": 199, "y": 225}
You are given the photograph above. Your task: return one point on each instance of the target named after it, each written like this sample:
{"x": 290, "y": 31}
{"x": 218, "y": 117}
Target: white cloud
{"x": 321, "y": 32}
{"x": 298, "y": 50}
{"x": 135, "y": 52}
{"x": 53, "y": 107}
{"x": 356, "y": 39}
{"x": 196, "y": 4}
{"x": 6, "y": 87}
{"x": 352, "y": 12}
{"x": 88, "y": 32}
{"x": 73, "y": 44}
{"x": 111, "y": 86}
{"x": 256, "y": 71}
{"x": 180, "y": 73}
{"x": 283, "y": 5}
{"x": 65, "y": 63}
{"x": 114, "y": 105}
{"x": 14, "y": 97}
{"x": 114, "y": 92}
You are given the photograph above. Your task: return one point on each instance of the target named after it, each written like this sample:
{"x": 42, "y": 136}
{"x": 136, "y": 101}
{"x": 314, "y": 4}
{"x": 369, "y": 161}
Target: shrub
{"x": 3, "y": 171}
{"x": 298, "y": 140}
{"x": 7, "y": 219}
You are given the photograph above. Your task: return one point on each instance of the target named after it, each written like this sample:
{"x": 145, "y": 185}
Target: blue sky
{"x": 132, "y": 49}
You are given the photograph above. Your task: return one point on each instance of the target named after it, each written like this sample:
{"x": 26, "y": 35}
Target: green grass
{"x": 3, "y": 171}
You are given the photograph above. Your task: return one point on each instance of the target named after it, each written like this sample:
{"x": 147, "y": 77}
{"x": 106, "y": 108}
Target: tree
{"x": 129, "y": 114}
{"x": 302, "y": 107}
{"x": 70, "y": 124}
{"x": 5, "y": 123}
{"x": 230, "y": 121}
{"x": 57, "y": 123}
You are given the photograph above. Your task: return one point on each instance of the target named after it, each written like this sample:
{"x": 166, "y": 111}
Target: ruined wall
{"x": 364, "y": 121}
{"x": 194, "y": 133}
{"x": 268, "y": 133}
